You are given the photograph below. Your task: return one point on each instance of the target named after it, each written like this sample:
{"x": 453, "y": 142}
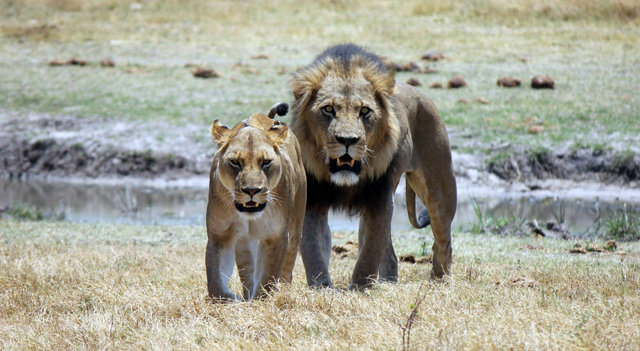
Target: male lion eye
{"x": 235, "y": 163}
{"x": 364, "y": 111}
{"x": 266, "y": 163}
{"x": 328, "y": 110}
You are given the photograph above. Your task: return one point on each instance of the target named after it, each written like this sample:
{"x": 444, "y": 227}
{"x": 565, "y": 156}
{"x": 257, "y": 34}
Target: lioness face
{"x": 250, "y": 168}
{"x": 347, "y": 113}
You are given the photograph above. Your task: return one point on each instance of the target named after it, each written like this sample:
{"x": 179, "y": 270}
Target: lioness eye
{"x": 364, "y": 111}
{"x": 266, "y": 163}
{"x": 235, "y": 163}
{"x": 328, "y": 110}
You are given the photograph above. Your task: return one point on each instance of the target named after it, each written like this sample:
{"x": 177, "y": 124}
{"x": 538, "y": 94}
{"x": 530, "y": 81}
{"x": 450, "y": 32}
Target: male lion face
{"x": 250, "y": 168}
{"x": 347, "y": 113}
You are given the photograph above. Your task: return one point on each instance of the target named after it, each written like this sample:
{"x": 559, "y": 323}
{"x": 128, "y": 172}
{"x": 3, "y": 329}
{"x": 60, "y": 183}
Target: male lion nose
{"x": 346, "y": 141}
{"x": 251, "y": 191}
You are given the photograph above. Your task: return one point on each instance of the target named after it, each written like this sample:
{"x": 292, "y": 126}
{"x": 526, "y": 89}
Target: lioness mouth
{"x": 345, "y": 163}
{"x": 250, "y": 206}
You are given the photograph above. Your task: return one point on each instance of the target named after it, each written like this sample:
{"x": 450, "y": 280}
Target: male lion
{"x": 360, "y": 131}
{"x": 257, "y": 193}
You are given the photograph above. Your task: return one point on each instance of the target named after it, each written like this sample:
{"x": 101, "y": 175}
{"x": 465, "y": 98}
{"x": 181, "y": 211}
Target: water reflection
{"x": 147, "y": 205}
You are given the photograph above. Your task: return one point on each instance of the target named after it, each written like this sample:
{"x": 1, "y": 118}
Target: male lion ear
{"x": 278, "y": 132}
{"x": 220, "y": 132}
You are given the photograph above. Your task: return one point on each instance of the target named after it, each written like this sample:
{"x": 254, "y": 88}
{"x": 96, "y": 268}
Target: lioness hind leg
{"x": 295, "y": 234}
{"x": 246, "y": 255}
{"x": 315, "y": 247}
{"x": 440, "y": 197}
{"x": 220, "y": 260}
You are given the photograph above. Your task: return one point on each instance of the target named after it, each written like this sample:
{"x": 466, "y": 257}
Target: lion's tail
{"x": 280, "y": 109}
{"x": 424, "y": 219}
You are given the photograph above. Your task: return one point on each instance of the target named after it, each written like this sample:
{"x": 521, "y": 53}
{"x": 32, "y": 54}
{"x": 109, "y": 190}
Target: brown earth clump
{"x": 611, "y": 245}
{"x": 55, "y": 63}
{"x": 107, "y": 63}
{"x": 260, "y": 57}
{"x": 535, "y": 129}
{"x": 413, "y": 259}
{"x": 542, "y": 82}
{"x": 77, "y": 62}
{"x": 456, "y": 82}
{"x": 429, "y": 70}
{"x": 408, "y": 67}
{"x": 414, "y": 82}
{"x": 205, "y": 72}
{"x": 463, "y": 101}
{"x": 508, "y": 82}
{"x": 343, "y": 251}
{"x": 436, "y": 85}
{"x": 432, "y": 55}
{"x": 482, "y": 101}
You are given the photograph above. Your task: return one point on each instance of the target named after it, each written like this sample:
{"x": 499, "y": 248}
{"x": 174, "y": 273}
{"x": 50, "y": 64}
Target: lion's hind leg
{"x": 439, "y": 196}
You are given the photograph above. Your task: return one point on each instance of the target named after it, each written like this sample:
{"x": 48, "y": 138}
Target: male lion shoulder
{"x": 257, "y": 193}
{"x": 360, "y": 131}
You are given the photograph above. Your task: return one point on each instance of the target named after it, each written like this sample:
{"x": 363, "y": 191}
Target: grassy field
{"x": 100, "y": 286}
{"x": 591, "y": 50}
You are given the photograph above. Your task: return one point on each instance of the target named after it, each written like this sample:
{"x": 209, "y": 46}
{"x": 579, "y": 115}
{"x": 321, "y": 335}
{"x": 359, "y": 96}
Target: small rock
{"x": 456, "y": 82}
{"x": 77, "y": 62}
{"x": 482, "y": 101}
{"x": 432, "y": 55}
{"x": 535, "y": 129}
{"x": 508, "y": 82}
{"x": 205, "y": 72}
{"x": 542, "y": 82}
{"x": 407, "y": 258}
{"x": 577, "y": 249}
{"x": 413, "y": 82}
{"x": 436, "y": 85}
{"x": 260, "y": 57}
{"x": 410, "y": 67}
{"x": 107, "y": 63}
{"x": 463, "y": 101}
{"x": 611, "y": 245}
{"x": 57, "y": 63}
{"x": 594, "y": 248}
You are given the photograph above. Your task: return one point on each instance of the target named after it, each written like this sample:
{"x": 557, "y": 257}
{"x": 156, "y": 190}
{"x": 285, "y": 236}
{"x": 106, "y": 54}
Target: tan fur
{"x": 404, "y": 134}
{"x": 263, "y": 244}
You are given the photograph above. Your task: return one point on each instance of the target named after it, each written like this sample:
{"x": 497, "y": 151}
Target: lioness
{"x": 257, "y": 193}
{"x": 360, "y": 130}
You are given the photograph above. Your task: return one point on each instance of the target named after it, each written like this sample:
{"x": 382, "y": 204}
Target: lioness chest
{"x": 272, "y": 224}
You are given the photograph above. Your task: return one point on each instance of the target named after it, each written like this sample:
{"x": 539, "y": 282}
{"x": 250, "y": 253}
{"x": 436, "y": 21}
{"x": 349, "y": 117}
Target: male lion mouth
{"x": 251, "y": 206}
{"x": 345, "y": 163}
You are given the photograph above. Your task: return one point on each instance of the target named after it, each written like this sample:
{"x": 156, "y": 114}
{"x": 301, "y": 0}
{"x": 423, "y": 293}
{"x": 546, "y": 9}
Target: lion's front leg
{"x": 315, "y": 247}
{"x": 271, "y": 254}
{"x": 220, "y": 260}
{"x": 375, "y": 238}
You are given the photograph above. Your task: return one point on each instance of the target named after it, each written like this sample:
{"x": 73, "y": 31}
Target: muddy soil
{"x": 44, "y": 146}
{"x": 610, "y": 167}
{"x": 91, "y": 147}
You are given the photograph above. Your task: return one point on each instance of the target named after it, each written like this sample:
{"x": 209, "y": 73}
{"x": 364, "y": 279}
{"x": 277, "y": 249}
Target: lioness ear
{"x": 278, "y": 132}
{"x": 220, "y": 132}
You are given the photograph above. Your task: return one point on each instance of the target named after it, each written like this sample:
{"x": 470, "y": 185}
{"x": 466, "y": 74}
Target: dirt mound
{"x": 542, "y": 82}
{"x": 20, "y": 158}
{"x": 456, "y": 82}
{"x": 579, "y": 165}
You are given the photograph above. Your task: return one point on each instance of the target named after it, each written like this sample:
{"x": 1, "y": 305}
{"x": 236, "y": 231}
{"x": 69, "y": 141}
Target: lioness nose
{"x": 347, "y": 141}
{"x": 251, "y": 191}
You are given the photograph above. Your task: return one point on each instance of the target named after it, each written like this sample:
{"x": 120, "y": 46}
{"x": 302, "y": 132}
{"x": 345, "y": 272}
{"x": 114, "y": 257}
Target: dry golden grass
{"x": 85, "y": 286}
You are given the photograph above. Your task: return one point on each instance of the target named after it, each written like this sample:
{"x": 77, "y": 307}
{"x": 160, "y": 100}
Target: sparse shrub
{"x": 622, "y": 225}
